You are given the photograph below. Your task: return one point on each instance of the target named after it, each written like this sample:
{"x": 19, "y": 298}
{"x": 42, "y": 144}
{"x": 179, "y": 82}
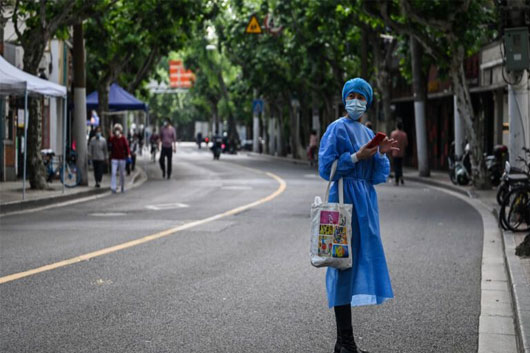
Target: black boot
{"x": 338, "y": 344}
{"x": 348, "y": 344}
{"x": 345, "y": 341}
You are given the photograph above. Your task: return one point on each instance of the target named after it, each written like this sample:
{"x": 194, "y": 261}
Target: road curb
{"x": 282, "y": 159}
{"x": 427, "y": 180}
{"x": 33, "y": 205}
{"x": 520, "y": 292}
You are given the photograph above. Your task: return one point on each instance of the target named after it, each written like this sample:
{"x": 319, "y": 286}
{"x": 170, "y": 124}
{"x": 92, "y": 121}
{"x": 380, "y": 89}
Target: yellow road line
{"x": 148, "y": 238}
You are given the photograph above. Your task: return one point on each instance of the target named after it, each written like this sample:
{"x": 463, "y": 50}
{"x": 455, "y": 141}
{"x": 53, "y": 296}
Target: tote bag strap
{"x": 341, "y": 184}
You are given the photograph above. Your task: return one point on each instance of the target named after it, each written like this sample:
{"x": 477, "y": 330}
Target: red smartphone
{"x": 378, "y": 138}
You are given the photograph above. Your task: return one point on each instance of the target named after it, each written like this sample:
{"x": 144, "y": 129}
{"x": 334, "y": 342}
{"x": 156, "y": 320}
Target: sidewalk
{"x": 11, "y": 192}
{"x": 518, "y": 271}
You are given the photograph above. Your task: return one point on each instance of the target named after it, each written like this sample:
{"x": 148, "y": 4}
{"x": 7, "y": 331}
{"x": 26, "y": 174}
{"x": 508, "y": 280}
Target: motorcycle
{"x": 460, "y": 167}
{"x": 217, "y": 147}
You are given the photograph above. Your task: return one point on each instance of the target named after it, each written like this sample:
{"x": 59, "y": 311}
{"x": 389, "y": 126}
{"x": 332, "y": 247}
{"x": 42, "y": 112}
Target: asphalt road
{"x": 240, "y": 283}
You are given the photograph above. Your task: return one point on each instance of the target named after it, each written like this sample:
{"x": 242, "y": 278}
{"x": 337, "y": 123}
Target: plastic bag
{"x": 331, "y": 230}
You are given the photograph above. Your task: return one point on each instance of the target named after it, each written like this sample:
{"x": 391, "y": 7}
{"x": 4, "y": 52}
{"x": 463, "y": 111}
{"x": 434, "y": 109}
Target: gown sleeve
{"x": 333, "y": 146}
{"x": 381, "y": 168}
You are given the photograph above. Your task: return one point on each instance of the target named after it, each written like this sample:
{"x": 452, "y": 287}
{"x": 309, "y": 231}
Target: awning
{"x": 119, "y": 99}
{"x": 14, "y": 81}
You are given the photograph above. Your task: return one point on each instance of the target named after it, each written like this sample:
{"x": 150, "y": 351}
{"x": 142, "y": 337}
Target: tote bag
{"x": 331, "y": 230}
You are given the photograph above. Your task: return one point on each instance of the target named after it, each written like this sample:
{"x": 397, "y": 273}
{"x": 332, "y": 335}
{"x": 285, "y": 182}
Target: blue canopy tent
{"x": 119, "y": 99}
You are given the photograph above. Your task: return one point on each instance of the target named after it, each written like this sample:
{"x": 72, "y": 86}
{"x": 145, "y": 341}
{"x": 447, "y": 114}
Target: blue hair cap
{"x": 358, "y": 85}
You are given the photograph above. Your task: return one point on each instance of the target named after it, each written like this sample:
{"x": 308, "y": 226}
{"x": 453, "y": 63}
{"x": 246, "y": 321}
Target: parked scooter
{"x": 460, "y": 167}
{"x": 495, "y": 163}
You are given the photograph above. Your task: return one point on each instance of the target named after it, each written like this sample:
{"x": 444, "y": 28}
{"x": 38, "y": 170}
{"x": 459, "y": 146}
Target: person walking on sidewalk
{"x": 97, "y": 152}
{"x": 367, "y": 282}
{"x": 133, "y": 147}
{"x": 119, "y": 148}
{"x": 397, "y": 155}
{"x": 168, "y": 139}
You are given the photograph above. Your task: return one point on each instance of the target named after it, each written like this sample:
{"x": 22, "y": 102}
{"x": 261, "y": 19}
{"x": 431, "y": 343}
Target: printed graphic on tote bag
{"x": 329, "y": 217}
{"x": 326, "y": 229}
{"x": 342, "y": 221}
{"x": 324, "y": 246}
{"x": 339, "y": 236}
{"x": 340, "y": 251}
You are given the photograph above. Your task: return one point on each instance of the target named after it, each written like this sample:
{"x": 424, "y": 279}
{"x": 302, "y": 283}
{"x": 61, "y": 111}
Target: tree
{"x": 449, "y": 31}
{"x": 43, "y": 20}
{"x": 128, "y": 41}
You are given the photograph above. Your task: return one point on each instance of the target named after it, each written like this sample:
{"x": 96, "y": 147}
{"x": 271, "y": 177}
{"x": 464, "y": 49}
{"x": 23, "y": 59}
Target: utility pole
{"x": 517, "y": 64}
{"x": 79, "y": 120}
{"x": 420, "y": 97}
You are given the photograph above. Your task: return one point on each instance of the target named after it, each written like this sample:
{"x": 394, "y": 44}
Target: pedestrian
{"x": 199, "y": 139}
{"x": 133, "y": 147}
{"x": 119, "y": 148}
{"x": 154, "y": 140}
{"x": 98, "y": 154}
{"x": 367, "y": 282}
{"x": 168, "y": 138}
{"x": 397, "y": 156}
{"x": 368, "y": 124}
{"x": 313, "y": 147}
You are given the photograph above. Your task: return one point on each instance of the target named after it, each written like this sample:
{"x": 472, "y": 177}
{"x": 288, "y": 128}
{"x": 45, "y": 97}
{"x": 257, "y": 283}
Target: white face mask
{"x": 355, "y": 108}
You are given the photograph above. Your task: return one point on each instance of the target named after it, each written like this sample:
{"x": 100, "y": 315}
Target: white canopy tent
{"x": 15, "y": 82}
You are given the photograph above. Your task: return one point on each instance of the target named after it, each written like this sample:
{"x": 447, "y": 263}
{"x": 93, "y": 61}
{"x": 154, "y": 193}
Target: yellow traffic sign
{"x": 253, "y": 26}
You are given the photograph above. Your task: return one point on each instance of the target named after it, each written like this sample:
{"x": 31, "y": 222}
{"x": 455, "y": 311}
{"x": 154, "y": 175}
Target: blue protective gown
{"x": 367, "y": 282}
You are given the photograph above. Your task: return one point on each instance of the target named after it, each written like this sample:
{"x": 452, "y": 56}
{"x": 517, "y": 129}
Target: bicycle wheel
{"x": 502, "y": 190}
{"x": 518, "y": 217}
{"x": 72, "y": 177}
{"x": 505, "y": 209}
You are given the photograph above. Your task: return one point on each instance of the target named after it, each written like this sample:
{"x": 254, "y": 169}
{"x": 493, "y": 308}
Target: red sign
{"x": 179, "y": 77}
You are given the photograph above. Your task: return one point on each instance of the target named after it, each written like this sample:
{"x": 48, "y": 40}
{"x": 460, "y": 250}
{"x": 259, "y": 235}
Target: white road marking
{"x": 148, "y": 238}
{"x": 167, "y": 206}
{"x": 235, "y": 187}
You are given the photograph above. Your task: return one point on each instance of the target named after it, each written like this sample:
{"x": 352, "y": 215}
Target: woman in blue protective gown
{"x": 367, "y": 282}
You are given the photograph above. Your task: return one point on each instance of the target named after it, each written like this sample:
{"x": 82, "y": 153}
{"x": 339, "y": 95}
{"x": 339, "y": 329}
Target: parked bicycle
{"x": 513, "y": 177}
{"x": 514, "y": 214}
{"x": 71, "y": 177}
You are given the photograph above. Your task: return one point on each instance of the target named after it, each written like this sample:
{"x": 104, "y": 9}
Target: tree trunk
{"x": 280, "y": 133}
{"x": 103, "y": 108}
{"x": 295, "y": 132}
{"x": 420, "y": 100}
{"x": 79, "y": 120}
{"x": 465, "y": 109}
{"x": 233, "y": 136}
{"x": 383, "y": 57}
{"x": 364, "y": 52}
{"x": 36, "y": 170}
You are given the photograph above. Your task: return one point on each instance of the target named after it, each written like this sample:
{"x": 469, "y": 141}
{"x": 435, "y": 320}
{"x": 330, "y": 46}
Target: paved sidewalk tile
{"x": 495, "y": 343}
